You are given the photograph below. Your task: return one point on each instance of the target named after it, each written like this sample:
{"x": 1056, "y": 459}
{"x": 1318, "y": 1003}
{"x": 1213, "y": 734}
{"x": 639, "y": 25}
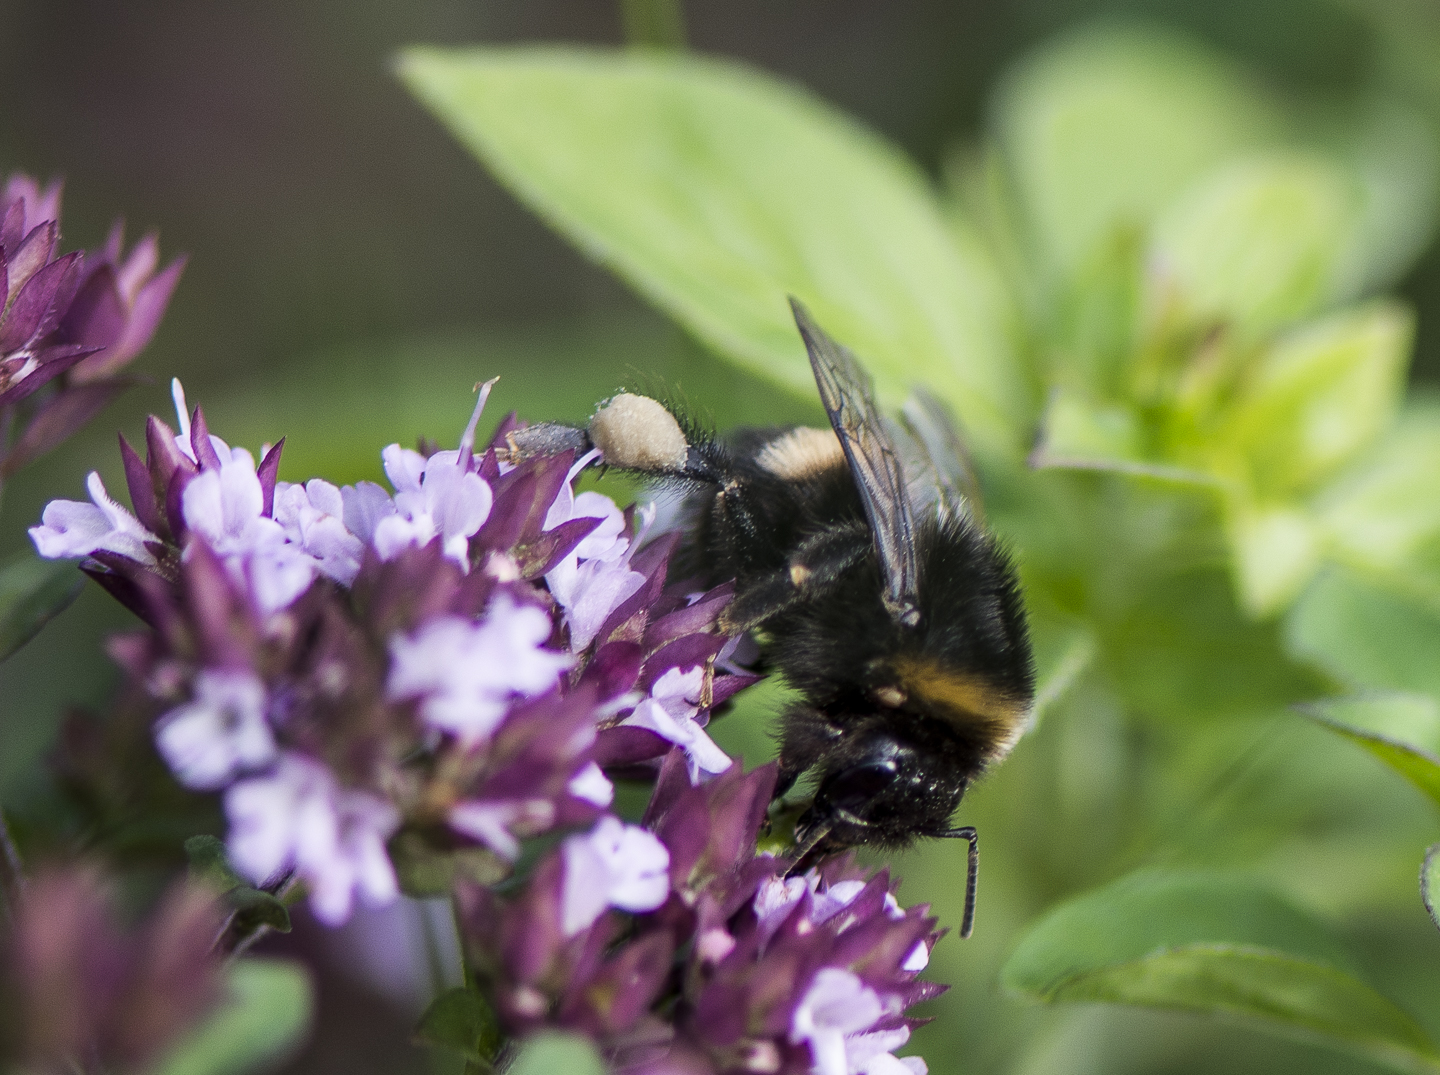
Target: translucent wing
{"x": 935, "y": 459}
{"x": 845, "y": 390}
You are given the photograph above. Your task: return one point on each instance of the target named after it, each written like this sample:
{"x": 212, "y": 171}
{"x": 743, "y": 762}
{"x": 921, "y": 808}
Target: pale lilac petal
{"x": 333, "y": 837}
{"x": 678, "y": 690}
{"x": 337, "y": 551}
{"x": 460, "y": 501}
{"x": 585, "y": 895}
{"x": 870, "y": 1053}
{"x": 467, "y": 674}
{"x": 69, "y": 529}
{"x": 775, "y": 899}
{"x": 497, "y": 824}
{"x": 277, "y": 576}
{"x": 325, "y": 497}
{"x": 592, "y": 785}
{"x": 598, "y": 589}
{"x": 613, "y": 865}
{"x": 918, "y": 959}
{"x": 836, "y": 1004}
{"x": 220, "y": 733}
{"x": 489, "y": 823}
{"x": 395, "y": 533}
{"x": 72, "y": 529}
{"x": 365, "y": 504}
{"x": 643, "y": 881}
{"x": 669, "y": 713}
{"x": 607, "y": 541}
{"x": 836, "y": 898}
{"x": 403, "y": 467}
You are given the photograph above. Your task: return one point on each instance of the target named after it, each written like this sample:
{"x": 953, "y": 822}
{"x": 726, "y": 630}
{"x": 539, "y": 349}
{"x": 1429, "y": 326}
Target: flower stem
{"x": 654, "y": 23}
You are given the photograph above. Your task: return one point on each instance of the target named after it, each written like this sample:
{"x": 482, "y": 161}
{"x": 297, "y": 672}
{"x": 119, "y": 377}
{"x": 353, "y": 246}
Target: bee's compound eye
{"x": 850, "y": 789}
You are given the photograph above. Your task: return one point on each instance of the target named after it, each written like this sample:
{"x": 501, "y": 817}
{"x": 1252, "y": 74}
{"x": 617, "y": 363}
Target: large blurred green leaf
{"x": 1106, "y": 127}
{"x": 1166, "y": 662}
{"x": 1215, "y": 945}
{"x": 263, "y": 1019}
{"x": 1402, "y": 730}
{"x": 1365, "y": 635}
{"x": 1259, "y": 243}
{"x": 32, "y": 591}
{"x": 716, "y": 190}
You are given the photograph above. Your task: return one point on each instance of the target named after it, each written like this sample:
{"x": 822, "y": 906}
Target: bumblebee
{"x": 861, "y": 558}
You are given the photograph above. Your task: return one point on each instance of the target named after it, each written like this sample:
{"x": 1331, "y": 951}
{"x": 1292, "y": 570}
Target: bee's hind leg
{"x": 547, "y": 438}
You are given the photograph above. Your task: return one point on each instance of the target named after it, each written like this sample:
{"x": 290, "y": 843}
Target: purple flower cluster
{"x": 68, "y": 322}
{"x": 73, "y": 984}
{"x": 449, "y": 664}
{"x": 374, "y": 679}
{"x": 723, "y": 963}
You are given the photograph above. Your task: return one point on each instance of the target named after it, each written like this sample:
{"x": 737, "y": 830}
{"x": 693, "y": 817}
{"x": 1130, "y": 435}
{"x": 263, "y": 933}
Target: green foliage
{"x": 1156, "y": 279}
{"x": 1430, "y": 883}
{"x": 716, "y": 191}
{"x": 1104, "y": 129}
{"x": 253, "y": 909}
{"x": 32, "y": 591}
{"x": 261, "y": 1021}
{"x": 547, "y": 1053}
{"x": 1402, "y": 730}
{"x": 1215, "y": 945}
{"x": 460, "y": 1021}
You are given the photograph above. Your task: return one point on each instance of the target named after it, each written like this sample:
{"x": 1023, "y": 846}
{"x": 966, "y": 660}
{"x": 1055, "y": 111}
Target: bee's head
{"x": 883, "y": 789}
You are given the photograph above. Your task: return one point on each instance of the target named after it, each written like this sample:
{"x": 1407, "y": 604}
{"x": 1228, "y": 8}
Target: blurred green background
{"x": 354, "y": 272}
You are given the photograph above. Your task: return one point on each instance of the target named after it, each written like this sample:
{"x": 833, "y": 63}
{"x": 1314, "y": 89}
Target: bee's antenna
{"x": 967, "y": 924}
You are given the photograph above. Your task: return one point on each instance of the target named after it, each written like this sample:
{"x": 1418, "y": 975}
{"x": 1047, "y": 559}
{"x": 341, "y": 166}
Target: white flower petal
{"x": 592, "y": 785}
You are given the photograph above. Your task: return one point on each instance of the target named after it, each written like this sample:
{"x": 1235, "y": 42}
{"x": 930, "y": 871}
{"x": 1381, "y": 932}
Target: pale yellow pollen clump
{"x": 637, "y": 433}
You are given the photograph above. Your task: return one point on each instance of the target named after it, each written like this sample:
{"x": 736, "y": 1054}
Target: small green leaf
{"x": 1320, "y": 396}
{"x": 1216, "y": 945}
{"x": 461, "y": 1021}
{"x": 716, "y": 190}
{"x": 32, "y": 592}
{"x": 1430, "y": 882}
{"x": 1084, "y": 434}
{"x": 1384, "y": 516}
{"x": 264, "y": 1018}
{"x": 1277, "y": 550}
{"x": 1365, "y": 635}
{"x": 1104, "y": 128}
{"x": 1402, "y": 730}
{"x": 254, "y": 908}
{"x": 1258, "y": 243}
{"x": 210, "y": 863}
{"x": 550, "y": 1053}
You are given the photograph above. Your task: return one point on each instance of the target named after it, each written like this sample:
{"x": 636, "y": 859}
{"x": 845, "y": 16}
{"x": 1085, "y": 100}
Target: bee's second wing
{"x": 935, "y": 458}
{"x": 845, "y": 391}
